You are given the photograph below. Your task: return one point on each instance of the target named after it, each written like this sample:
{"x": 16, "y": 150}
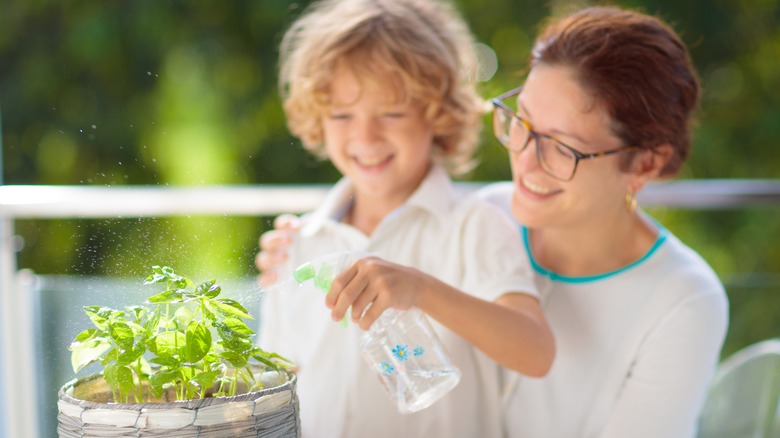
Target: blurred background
{"x": 183, "y": 93}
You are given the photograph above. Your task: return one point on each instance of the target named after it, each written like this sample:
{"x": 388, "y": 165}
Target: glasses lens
{"x": 501, "y": 123}
{"x": 509, "y": 130}
{"x": 558, "y": 160}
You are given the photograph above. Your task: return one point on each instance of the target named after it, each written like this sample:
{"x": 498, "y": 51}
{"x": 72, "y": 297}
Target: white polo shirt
{"x": 459, "y": 239}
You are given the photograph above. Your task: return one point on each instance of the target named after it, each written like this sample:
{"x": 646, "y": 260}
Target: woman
{"x": 639, "y": 318}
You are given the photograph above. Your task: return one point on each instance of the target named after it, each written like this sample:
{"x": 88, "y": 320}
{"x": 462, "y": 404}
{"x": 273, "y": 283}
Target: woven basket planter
{"x": 270, "y": 412}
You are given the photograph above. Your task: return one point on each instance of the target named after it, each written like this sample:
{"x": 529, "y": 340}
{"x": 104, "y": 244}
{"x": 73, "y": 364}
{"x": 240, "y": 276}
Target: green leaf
{"x": 85, "y": 335}
{"x": 186, "y": 373}
{"x": 238, "y": 327}
{"x": 153, "y": 323}
{"x": 119, "y": 378}
{"x": 247, "y": 377}
{"x": 84, "y": 353}
{"x": 137, "y": 329}
{"x": 166, "y": 361}
{"x": 231, "y": 307}
{"x": 99, "y": 315}
{"x": 182, "y": 317}
{"x": 198, "y": 342}
{"x": 131, "y": 355}
{"x": 231, "y": 341}
{"x": 122, "y": 334}
{"x": 209, "y": 289}
{"x": 137, "y": 311}
{"x": 169, "y": 343}
{"x": 265, "y": 361}
{"x": 205, "y": 379}
{"x": 161, "y": 378}
{"x": 236, "y": 360}
{"x": 167, "y": 297}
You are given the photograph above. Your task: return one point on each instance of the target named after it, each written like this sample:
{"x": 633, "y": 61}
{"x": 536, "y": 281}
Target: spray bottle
{"x": 400, "y": 346}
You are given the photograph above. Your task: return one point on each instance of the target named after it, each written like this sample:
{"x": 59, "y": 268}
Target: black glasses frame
{"x": 499, "y": 105}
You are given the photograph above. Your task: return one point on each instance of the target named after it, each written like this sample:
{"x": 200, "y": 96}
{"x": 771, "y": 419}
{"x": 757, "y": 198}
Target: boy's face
{"x": 382, "y": 146}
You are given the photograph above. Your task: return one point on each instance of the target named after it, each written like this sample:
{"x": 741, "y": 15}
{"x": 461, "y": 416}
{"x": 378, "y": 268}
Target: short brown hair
{"x": 423, "y": 44}
{"x": 636, "y": 67}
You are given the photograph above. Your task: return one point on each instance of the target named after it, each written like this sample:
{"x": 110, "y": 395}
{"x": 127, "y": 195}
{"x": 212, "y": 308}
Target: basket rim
{"x": 288, "y": 385}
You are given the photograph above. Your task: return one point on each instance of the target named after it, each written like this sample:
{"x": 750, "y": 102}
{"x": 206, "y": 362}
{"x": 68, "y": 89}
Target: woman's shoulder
{"x": 498, "y": 194}
{"x": 678, "y": 267}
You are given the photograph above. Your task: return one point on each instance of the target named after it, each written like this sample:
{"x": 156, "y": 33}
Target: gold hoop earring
{"x": 631, "y": 201}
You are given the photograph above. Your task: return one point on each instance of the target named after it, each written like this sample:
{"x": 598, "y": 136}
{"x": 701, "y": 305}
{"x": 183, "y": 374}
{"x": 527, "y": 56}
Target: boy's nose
{"x": 367, "y": 131}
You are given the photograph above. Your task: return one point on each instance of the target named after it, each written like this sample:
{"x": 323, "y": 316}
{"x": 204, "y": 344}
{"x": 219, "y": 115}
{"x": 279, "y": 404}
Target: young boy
{"x": 385, "y": 90}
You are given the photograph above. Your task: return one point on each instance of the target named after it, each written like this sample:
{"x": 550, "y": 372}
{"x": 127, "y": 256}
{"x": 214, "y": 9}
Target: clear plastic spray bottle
{"x": 400, "y": 346}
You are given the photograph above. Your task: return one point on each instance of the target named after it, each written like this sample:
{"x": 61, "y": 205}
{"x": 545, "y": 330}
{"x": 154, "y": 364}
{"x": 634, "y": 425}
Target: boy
{"x": 385, "y": 90}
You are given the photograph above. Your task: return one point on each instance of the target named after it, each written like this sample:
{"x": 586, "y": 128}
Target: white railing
{"x": 17, "y": 375}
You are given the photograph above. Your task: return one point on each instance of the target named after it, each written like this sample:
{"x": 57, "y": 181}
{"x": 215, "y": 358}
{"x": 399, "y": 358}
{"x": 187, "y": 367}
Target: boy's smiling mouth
{"x": 371, "y": 163}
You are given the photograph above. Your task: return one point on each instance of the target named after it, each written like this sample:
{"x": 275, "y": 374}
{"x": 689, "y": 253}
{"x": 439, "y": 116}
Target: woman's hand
{"x": 372, "y": 285}
{"x": 273, "y": 248}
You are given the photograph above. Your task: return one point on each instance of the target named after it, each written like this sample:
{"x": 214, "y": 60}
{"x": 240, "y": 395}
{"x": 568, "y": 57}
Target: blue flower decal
{"x": 387, "y": 368}
{"x": 401, "y": 352}
{"x": 418, "y": 351}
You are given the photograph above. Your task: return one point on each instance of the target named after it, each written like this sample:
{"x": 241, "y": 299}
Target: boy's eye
{"x": 394, "y": 115}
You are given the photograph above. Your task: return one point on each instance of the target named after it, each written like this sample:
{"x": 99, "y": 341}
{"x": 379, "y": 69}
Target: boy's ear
{"x": 648, "y": 164}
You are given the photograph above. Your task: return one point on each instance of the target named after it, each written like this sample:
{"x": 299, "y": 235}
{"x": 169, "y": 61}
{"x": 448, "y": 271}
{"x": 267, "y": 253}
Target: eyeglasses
{"x": 556, "y": 159}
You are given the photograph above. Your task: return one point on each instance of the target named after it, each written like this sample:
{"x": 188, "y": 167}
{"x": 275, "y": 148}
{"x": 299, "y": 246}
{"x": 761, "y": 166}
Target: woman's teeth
{"x": 539, "y": 190}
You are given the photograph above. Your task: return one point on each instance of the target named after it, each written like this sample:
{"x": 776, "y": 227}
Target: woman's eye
{"x": 339, "y": 116}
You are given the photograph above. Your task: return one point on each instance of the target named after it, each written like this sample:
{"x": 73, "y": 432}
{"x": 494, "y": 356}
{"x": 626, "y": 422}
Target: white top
{"x": 464, "y": 242}
{"x": 635, "y": 348}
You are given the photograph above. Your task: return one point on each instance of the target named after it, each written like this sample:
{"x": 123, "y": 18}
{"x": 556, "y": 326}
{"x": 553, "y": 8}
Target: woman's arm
{"x": 666, "y": 388}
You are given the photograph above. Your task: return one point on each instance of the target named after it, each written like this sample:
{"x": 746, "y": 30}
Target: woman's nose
{"x": 526, "y": 159}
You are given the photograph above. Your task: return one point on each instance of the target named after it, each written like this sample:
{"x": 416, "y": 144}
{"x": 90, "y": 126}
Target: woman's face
{"x": 556, "y": 105}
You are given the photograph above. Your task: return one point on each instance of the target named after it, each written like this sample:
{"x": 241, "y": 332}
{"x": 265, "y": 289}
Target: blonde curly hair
{"x": 422, "y": 45}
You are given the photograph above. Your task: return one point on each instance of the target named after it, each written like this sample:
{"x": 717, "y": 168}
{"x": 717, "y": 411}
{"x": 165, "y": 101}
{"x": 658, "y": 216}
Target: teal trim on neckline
{"x": 662, "y": 233}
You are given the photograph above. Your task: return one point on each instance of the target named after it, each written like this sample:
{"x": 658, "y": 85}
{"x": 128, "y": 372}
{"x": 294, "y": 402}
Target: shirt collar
{"x": 436, "y": 194}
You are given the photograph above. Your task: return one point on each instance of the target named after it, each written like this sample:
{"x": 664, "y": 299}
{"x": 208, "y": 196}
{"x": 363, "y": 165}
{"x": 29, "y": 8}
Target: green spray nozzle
{"x": 304, "y": 272}
{"x": 322, "y": 271}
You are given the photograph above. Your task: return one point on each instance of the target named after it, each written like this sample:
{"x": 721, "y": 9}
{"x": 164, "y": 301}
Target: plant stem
{"x": 140, "y": 397}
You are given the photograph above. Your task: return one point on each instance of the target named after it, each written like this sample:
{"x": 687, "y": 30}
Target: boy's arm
{"x": 512, "y": 330}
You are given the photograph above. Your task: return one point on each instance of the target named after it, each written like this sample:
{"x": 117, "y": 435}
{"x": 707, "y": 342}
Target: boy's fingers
{"x": 287, "y": 222}
{"x": 346, "y": 287}
{"x": 275, "y": 241}
{"x": 362, "y": 302}
{"x": 338, "y": 285}
{"x": 268, "y": 261}
{"x": 372, "y": 313}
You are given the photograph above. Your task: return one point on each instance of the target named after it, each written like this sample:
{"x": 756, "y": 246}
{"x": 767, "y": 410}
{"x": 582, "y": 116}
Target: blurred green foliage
{"x": 184, "y": 93}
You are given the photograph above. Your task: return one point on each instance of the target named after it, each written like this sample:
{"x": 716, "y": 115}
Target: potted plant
{"x": 184, "y": 366}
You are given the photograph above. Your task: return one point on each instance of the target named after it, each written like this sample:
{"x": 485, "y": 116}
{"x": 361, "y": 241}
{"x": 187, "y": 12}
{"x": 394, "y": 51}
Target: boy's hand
{"x": 273, "y": 248}
{"x": 372, "y": 285}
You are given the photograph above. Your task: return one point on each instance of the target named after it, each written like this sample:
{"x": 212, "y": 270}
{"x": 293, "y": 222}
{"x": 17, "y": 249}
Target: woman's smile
{"x": 536, "y": 189}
